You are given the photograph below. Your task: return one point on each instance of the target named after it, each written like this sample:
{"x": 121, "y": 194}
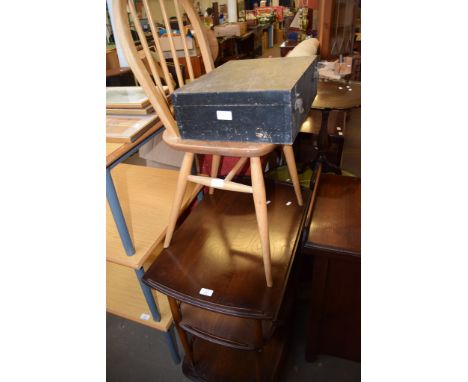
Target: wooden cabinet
{"x": 334, "y": 241}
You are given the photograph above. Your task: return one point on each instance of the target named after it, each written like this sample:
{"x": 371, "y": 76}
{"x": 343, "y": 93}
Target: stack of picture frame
{"x": 129, "y": 113}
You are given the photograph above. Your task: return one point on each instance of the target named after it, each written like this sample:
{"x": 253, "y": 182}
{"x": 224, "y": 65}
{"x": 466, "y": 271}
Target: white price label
{"x": 206, "y": 292}
{"x": 223, "y": 115}
{"x": 217, "y": 182}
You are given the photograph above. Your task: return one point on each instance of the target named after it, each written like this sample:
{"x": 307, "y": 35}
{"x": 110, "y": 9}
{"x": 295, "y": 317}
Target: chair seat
{"x": 233, "y": 149}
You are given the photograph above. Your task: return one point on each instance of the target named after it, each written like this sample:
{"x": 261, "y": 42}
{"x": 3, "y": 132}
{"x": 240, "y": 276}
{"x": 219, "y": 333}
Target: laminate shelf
{"x": 125, "y": 299}
{"x": 145, "y": 195}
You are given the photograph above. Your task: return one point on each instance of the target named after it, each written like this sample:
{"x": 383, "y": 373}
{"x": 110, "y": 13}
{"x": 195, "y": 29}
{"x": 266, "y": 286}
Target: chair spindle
{"x": 184, "y": 41}
{"x": 167, "y": 75}
{"x": 144, "y": 43}
{"x": 180, "y": 78}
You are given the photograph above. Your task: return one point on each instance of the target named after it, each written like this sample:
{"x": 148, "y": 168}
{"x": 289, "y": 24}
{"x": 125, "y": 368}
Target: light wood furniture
{"x": 127, "y": 128}
{"x": 124, "y": 297}
{"x": 135, "y": 229}
{"x": 145, "y": 194}
{"x": 115, "y": 154}
{"x": 152, "y": 85}
{"x": 115, "y": 151}
{"x": 126, "y": 97}
{"x": 147, "y": 110}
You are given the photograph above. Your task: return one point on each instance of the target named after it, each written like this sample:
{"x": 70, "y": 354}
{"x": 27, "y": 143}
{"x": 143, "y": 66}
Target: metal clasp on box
{"x": 298, "y": 105}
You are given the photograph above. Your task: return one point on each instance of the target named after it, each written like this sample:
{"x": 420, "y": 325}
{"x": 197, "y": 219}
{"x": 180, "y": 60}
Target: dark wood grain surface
{"x": 218, "y": 248}
{"x": 334, "y": 319}
{"x": 230, "y": 331}
{"x": 334, "y": 322}
{"x": 216, "y": 363}
{"x": 337, "y": 96}
{"x": 336, "y": 217}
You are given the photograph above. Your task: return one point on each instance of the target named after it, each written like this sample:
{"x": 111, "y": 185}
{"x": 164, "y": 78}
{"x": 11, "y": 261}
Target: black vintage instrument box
{"x": 259, "y": 100}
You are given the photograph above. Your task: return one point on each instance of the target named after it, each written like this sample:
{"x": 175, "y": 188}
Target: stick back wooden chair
{"x": 153, "y": 87}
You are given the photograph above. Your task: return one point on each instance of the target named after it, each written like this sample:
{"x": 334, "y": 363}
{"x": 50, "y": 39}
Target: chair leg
{"x": 179, "y": 195}
{"x": 258, "y": 187}
{"x": 291, "y": 162}
{"x": 216, "y": 159}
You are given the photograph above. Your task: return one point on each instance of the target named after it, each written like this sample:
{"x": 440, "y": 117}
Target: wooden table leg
{"x": 183, "y": 336}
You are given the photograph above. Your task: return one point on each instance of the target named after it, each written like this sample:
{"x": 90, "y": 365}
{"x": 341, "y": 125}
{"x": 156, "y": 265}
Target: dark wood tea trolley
{"x": 232, "y": 326}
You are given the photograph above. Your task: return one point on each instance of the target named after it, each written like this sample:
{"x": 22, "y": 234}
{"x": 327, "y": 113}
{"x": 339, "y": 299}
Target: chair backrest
{"x": 147, "y": 67}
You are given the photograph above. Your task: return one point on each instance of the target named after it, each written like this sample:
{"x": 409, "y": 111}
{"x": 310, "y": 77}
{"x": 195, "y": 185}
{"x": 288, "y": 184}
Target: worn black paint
{"x": 269, "y": 99}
